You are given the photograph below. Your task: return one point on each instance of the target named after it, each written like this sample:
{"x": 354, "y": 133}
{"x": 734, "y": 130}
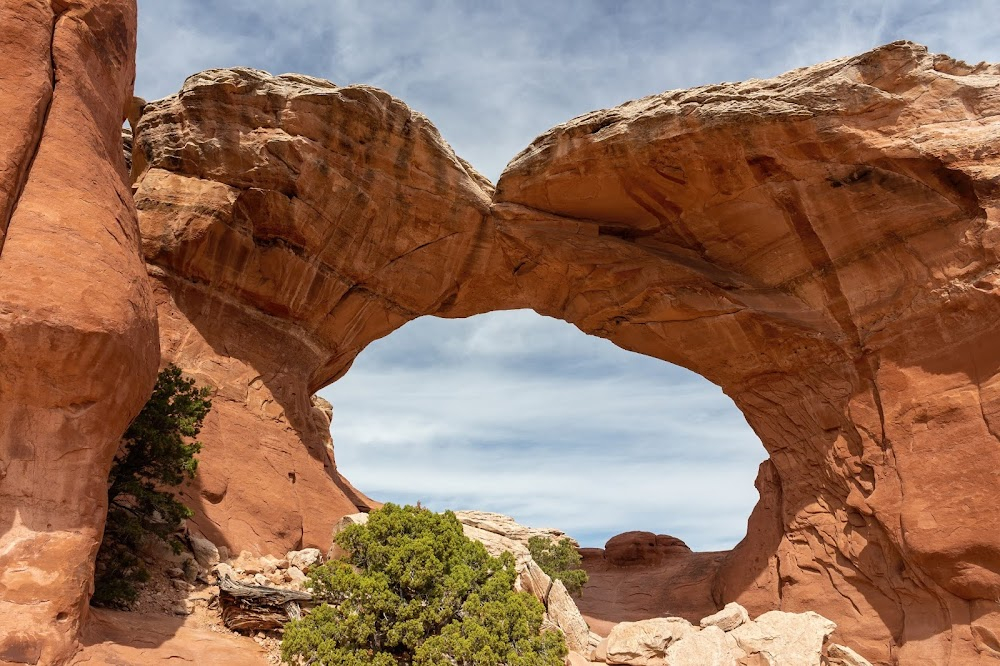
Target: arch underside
{"x": 821, "y": 245}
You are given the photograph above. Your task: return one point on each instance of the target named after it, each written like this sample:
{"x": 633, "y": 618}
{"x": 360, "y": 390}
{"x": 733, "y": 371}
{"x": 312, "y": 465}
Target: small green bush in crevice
{"x": 560, "y": 560}
{"x": 413, "y": 590}
{"x": 156, "y": 453}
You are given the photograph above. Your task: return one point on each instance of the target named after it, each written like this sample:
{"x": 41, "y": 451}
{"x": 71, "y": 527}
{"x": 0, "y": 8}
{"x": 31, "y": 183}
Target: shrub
{"x": 414, "y": 590}
{"x": 156, "y": 453}
{"x": 560, "y": 560}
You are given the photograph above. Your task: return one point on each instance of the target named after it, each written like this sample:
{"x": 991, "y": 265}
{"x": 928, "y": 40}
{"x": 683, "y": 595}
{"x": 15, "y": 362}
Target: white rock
{"x": 576, "y": 659}
{"x": 205, "y": 552}
{"x": 336, "y": 552}
{"x": 305, "y": 558}
{"x": 268, "y": 564}
{"x": 645, "y": 643}
{"x": 564, "y": 613}
{"x": 600, "y": 653}
{"x": 247, "y": 563}
{"x": 295, "y": 575}
{"x": 260, "y": 579}
{"x": 727, "y": 619}
{"x": 221, "y": 570}
{"x": 507, "y": 527}
{"x": 787, "y": 639}
{"x": 841, "y": 655}
{"x": 709, "y": 647}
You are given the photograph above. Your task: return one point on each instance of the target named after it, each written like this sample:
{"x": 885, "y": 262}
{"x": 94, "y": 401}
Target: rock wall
{"x": 822, "y": 245}
{"x": 78, "y": 342}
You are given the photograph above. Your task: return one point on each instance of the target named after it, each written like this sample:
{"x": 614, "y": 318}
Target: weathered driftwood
{"x": 256, "y": 607}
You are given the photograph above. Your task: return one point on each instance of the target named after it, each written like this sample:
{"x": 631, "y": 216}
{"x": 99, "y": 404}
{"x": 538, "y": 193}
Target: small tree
{"x": 414, "y": 590}
{"x": 560, "y": 560}
{"x": 156, "y": 453}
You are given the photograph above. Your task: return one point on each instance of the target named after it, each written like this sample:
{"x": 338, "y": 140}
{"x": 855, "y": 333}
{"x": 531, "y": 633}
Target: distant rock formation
{"x": 638, "y": 575}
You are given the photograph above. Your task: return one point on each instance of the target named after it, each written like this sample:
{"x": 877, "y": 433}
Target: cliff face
{"x": 78, "y": 343}
{"x": 822, "y": 245}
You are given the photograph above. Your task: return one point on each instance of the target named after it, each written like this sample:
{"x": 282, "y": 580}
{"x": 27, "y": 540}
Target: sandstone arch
{"x": 821, "y": 245}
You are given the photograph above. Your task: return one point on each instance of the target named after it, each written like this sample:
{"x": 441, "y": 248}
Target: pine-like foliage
{"x": 157, "y": 452}
{"x": 560, "y": 560}
{"x": 415, "y": 591}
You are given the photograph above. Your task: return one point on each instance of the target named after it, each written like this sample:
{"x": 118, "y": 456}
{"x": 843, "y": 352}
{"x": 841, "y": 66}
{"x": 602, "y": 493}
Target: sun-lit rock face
{"x": 823, "y": 245}
{"x": 78, "y": 344}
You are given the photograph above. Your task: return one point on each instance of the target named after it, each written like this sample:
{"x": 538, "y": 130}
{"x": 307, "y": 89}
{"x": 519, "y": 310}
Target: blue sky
{"x": 514, "y": 412}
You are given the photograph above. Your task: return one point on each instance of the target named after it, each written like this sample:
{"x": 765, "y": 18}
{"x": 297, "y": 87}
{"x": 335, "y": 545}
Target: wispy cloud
{"x": 509, "y": 411}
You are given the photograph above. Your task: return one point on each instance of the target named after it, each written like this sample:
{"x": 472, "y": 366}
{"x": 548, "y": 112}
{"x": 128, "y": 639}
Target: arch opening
{"x": 525, "y": 415}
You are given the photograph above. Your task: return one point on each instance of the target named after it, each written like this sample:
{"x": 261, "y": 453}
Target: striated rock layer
{"x": 78, "y": 343}
{"x": 822, "y": 245}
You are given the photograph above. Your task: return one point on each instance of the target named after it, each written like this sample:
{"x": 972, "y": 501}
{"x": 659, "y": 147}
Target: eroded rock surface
{"x": 78, "y": 343}
{"x": 822, "y": 245}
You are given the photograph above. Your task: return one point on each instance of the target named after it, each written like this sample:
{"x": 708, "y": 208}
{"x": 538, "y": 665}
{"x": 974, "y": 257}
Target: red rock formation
{"x": 822, "y": 245}
{"x": 78, "y": 344}
{"x": 639, "y": 575}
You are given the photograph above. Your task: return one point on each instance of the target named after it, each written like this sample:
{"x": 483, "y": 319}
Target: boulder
{"x": 247, "y": 563}
{"x": 295, "y": 576}
{"x": 269, "y": 564}
{"x": 600, "y": 652}
{"x": 645, "y": 643}
{"x": 786, "y": 639}
{"x": 221, "y": 570}
{"x": 561, "y": 609}
{"x": 305, "y": 558}
{"x": 204, "y": 551}
{"x": 727, "y": 619}
{"x": 336, "y": 552}
{"x": 709, "y": 647}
